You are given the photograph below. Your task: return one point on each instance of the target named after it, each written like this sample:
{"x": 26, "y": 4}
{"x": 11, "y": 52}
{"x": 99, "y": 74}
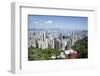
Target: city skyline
{"x": 59, "y": 22}
{"x": 57, "y": 37}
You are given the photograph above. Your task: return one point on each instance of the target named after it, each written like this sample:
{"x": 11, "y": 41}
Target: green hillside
{"x": 81, "y": 47}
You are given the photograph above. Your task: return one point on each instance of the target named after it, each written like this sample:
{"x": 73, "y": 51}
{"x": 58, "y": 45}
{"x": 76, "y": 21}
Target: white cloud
{"x": 48, "y": 22}
{"x": 41, "y": 24}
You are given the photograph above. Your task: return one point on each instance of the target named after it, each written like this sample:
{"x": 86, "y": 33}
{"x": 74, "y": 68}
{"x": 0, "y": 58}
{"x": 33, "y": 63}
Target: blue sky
{"x": 61, "y": 22}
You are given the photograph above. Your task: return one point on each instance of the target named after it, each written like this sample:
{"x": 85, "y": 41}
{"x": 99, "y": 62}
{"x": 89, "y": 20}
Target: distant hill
{"x": 55, "y": 30}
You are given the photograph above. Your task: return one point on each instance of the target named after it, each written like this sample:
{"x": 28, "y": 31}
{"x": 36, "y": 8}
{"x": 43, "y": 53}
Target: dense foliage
{"x": 42, "y": 54}
{"x": 81, "y": 47}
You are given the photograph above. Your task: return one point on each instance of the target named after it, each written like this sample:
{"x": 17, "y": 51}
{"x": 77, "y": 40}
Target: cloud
{"x": 35, "y": 22}
{"x": 41, "y": 24}
{"x": 48, "y": 22}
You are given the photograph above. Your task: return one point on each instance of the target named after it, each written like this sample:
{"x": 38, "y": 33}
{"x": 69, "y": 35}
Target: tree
{"x": 42, "y": 54}
{"x": 81, "y": 47}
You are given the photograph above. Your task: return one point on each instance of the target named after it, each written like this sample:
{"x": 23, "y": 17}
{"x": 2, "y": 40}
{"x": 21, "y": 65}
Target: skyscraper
{"x": 56, "y": 43}
{"x": 51, "y": 44}
{"x": 44, "y": 36}
{"x": 69, "y": 43}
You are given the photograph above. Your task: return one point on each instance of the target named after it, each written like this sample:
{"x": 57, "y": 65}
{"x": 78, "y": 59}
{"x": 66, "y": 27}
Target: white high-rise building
{"x": 57, "y": 43}
{"x": 74, "y": 38}
{"x": 43, "y": 36}
{"x": 63, "y": 44}
{"x": 42, "y": 41}
{"x": 69, "y": 43}
{"x": 51, "y": 44}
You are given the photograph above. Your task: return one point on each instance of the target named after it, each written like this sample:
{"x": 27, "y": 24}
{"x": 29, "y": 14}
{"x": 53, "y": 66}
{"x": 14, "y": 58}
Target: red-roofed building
{"x": 73, "y": 54}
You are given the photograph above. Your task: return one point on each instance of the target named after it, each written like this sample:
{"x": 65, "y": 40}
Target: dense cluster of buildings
{"x": 59, "y": 41}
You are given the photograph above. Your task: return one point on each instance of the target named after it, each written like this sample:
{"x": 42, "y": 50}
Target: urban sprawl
{"x": 56, "y": 40}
